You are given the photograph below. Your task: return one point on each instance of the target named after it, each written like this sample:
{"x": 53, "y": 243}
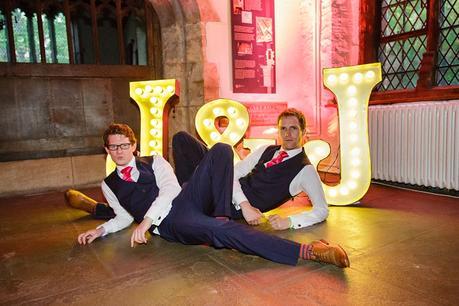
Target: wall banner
{"x": 253, "y": 46}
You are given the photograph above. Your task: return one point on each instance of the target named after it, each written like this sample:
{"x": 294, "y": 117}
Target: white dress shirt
{"x": 307, "y": 180}
{"x": 168, "y": 186}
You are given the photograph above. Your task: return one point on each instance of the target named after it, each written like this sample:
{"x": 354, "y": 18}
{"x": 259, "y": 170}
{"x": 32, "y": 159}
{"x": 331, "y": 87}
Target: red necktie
{"x": 277, "y": 160}
{"x": 126, "y": 172}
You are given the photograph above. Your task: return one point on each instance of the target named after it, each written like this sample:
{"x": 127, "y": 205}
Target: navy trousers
{"x": 207, "y": 194}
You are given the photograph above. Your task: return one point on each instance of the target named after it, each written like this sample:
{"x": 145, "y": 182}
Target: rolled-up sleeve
{"x": 168, "y": 186}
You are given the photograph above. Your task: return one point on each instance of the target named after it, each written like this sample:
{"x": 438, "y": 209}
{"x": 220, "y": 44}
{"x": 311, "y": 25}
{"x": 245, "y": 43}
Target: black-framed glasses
{"x": 114, "y": 147}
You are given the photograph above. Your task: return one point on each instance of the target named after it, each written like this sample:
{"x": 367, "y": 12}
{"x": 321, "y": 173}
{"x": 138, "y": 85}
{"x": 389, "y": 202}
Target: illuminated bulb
{"x": 352, "y": 102}
{"x": 320, "y": 151}
{"x": 343, "y": 78}
{"x": 145, "y": 95}
{"x": 355, "y": 162}
{"x": 240, "y": 122}
{"x": 217, "y": 111}
{"x": 353, "y": 137}
{"x": 233, "y": 137}
{"x": 207, "y": 122}
{"x": 332, "y": 192}
{"x": 215, "y": 136}
{"x": 351, "y": 90}
{"x": 355, "y": 174}
{"x": 138, "y": 91}
{"x": 170, "y": 88}
{"x": 332, "y": 80}
{"x": 358, "y": 77}
{"x": 343, "y": 190}
{"x": 158, "y": 89}
{"x": 154, "y": 132}
{"x": 154, "y": 122}
{"x": 352, "y": 184}
{"x": 153, "y": 152}
{"x": 352, "y": 125}
{"x": 148, "y": 88}
{"x": 370, "y": 75}
{"x": 154, "y": 100}
{"x": 154, "y": 111}
{"x": 355, "y": 151}
{"x": 352, "y": 114}
{"x": 232, "y": 111}
{"x": 153, "y": 143}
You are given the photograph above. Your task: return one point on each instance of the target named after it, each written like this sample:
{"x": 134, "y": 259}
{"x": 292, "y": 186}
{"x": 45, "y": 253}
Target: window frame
{"x": 425, "y": 90}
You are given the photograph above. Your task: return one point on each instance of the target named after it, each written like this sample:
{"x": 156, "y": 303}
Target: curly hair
{"x": 293, "y": 112}
{"x": 119, "y": 129}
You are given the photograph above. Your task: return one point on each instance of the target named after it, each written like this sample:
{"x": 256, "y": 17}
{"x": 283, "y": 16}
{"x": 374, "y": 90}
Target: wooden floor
{"x": 403, "y": 247}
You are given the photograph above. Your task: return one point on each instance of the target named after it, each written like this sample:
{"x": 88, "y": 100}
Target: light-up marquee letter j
{"x": 154, "y": 98}
{"x": 352, "y": 87}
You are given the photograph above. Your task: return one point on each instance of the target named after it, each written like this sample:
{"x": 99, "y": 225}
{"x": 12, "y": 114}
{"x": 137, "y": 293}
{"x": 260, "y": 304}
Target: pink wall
{"x": 310, "y": 35}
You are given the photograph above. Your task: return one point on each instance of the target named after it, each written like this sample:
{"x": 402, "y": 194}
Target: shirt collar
{"x": 131, "y": 163}
{"x": 293, "y": 152}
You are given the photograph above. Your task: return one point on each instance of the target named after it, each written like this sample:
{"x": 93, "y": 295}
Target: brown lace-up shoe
{"x": 80, "y": 201}
{"x": 323, "y": 251}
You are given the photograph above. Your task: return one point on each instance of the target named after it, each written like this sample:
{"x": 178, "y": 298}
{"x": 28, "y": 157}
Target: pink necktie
{"x": 126, "y": 172}
{"x": 277, "y": 160}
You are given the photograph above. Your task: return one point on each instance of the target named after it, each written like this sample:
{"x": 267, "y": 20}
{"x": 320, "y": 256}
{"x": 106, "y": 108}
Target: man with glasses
{"x": 145, "y": 190}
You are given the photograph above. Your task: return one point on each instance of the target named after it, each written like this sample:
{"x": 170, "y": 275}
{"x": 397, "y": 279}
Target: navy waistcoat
{"x": 267, "y": 188}
{"x": 136, "y": 197}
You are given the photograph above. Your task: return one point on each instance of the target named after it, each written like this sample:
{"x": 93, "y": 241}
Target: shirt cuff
{"x": 238, "y": 198}
{"x": 296, "y": 222}
{"x": 157, "y": 214}
{"x": 105, "y": 230}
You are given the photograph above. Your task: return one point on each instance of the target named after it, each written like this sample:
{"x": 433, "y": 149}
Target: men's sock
{"x": 306, "y": 252}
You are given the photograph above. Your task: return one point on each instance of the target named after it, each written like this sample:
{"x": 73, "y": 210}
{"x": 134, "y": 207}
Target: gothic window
{"x": 106, "y": 32}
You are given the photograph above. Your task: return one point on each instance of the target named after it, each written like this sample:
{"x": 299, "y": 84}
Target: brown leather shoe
{"x": 323, "y": 251}
{"x": 78, "y": 200}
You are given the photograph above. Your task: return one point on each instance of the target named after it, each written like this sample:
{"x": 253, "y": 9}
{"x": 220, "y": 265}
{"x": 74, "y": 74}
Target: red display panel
{"x": 253, "y": 46}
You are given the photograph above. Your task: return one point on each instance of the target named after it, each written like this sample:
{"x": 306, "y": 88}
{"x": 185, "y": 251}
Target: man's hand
{"x": 251, "y": 214}
{"x": 90, "y": 236}
{"x": 279, "y": 223}
{"x": 138, "y": 236}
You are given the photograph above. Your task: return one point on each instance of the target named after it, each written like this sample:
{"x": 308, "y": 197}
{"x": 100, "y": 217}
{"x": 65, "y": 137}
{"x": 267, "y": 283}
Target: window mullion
{"x": 41, "y": 35}
{"x": 150, "y": 38}
{"x": 95, "y": 32}
{"x": 119, "y": 25}
{"x": 12, "y": 49}
{"x": 429, "y": 58}
{"x": 68, "y": 26}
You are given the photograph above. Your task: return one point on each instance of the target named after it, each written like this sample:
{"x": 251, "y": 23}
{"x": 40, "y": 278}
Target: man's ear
{"x": 106, "y": 150}
{"x": 134, "y": 147}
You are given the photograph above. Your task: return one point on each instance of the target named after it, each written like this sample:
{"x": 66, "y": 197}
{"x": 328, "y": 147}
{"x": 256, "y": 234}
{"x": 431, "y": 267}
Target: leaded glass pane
{"x": 400, "y": 17}
{"x": 447, "y": 72}
{"x": 24, "y": 41}
{"x": 4, "y": 46}
{"x": 400, "y": 61}
{"x": 55, "y": 33}
{"x": 61, "y": 39}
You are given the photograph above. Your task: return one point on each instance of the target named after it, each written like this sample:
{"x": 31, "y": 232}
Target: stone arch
{"x": 182, "y": 33}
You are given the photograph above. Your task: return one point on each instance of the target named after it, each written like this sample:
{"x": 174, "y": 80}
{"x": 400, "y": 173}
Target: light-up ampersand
{"x": 237, "y": 123}
{"x": 352, "y": 87}
{"x": 154, "y": 99}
